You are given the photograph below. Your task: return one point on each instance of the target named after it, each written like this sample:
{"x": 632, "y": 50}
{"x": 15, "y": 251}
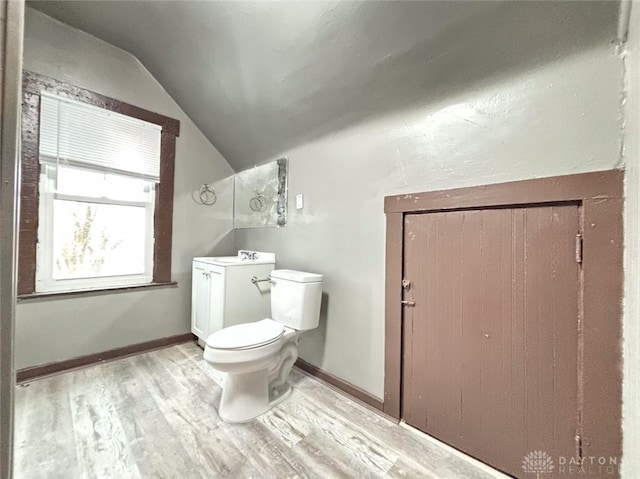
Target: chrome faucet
{"x": 248, "y": 255}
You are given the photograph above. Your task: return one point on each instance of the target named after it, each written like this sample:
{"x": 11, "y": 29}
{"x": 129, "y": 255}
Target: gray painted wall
{"x": 631, "y": 384}
{"x": 57, "y": 329}
{"x": 558, "y": 118}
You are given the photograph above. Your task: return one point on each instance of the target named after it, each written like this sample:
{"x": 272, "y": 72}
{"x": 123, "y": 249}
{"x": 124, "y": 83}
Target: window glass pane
{"x": 96, "y": 184}
{"x": 94, "y": 240}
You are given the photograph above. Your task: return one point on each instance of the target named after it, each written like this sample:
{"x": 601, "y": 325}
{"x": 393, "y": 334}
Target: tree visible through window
{"x": 83, "y": 250}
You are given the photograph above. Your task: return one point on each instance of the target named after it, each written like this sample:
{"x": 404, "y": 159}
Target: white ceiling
{"x": 259, "y": 78}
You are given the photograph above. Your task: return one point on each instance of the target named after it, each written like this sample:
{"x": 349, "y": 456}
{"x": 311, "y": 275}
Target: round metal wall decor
{"x": 207, "y": 195}
{"x": 258, "y": 203}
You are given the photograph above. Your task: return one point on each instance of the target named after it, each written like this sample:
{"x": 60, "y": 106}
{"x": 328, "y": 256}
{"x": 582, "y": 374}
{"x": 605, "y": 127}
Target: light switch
{"x": 299, "y": 201}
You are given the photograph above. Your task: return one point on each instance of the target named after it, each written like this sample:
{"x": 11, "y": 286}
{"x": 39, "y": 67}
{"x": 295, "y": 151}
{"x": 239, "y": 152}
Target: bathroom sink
{"x": 227, "y": 259}
{"x": 262, "y": 258}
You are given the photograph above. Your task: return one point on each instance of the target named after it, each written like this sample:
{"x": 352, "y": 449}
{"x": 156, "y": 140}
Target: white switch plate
{"x": 299, "y": 201}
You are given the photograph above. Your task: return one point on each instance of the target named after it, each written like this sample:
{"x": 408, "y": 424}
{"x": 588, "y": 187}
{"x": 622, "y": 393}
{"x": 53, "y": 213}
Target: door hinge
{"x": 579, "y": 446}
{"x": 579, "y": 248}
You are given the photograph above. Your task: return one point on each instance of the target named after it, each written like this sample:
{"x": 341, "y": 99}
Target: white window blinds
{"x": 84, "y": 135}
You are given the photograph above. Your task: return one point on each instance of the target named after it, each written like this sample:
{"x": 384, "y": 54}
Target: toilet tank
{"x": 295, "y": 298}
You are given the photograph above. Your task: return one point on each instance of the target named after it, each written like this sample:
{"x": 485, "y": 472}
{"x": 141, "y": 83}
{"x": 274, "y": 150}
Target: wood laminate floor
{"x": 154, "y": 416}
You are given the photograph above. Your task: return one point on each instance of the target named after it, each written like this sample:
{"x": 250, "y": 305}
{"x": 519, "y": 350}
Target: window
{"x": 98, "y": 171}
{"x": 96, "y": 230}
{"x": 102, "y": 174}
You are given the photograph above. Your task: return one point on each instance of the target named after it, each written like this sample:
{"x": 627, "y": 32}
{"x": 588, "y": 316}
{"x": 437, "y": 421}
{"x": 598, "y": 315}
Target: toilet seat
{"x": 246, "y": 336}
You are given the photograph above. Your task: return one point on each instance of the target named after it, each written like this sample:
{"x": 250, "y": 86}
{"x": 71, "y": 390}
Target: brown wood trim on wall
{"x": 599, "y": 184}
{"x": 393, "y": 316}
{"x": 340, "y": 384}
{"x": 33, "y": 85}
{"x": 600, "y": 196}
{"x": 93, "y": 292}
{"x": 34, "y": 372}
{"x": 602, "y": 325}
{"x": 163, "y": 223}
{"x": 29, "y": 177}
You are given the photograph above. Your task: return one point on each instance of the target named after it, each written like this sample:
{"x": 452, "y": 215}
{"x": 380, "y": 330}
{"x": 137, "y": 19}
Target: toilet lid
{"x": 246, "y": 336}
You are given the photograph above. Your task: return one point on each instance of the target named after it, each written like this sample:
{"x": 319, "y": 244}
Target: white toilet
{"x": 258, "y": 356}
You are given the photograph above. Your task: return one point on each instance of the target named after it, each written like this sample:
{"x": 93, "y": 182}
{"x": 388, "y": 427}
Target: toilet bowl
{"x": 258, "y": 356}
{"x": 257, "y": 367}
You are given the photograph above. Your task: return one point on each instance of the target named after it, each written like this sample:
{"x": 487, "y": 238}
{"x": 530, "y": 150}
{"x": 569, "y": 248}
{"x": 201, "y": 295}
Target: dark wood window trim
{"x": 600, "y": 196}
{"x": 92, "y": 292}
{"x": 33, "y": 85}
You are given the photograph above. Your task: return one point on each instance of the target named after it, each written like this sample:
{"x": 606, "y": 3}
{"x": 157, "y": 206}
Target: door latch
{"x": 408, "y": 302}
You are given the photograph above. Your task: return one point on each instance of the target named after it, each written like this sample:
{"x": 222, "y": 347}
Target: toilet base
{"x": 247, "y": 396}
{"x": 277, "y": 395}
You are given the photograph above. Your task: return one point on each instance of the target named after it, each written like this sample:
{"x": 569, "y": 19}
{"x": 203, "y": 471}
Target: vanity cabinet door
{"x": 200, "y": 301}
{"x": 216, "y": 278}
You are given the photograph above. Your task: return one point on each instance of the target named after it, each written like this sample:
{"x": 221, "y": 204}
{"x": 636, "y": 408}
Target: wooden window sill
{"x": 93, "y": 292}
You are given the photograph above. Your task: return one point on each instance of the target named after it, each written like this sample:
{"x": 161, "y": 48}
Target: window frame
{"x": 33, "y": 86}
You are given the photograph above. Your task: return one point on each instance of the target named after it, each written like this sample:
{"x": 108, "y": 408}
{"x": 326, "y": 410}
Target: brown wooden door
{"x": 490, "y": 348}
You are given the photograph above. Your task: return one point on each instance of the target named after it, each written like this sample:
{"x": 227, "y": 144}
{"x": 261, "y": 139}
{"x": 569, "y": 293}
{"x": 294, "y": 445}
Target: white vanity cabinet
{"x": 223, "y": 293}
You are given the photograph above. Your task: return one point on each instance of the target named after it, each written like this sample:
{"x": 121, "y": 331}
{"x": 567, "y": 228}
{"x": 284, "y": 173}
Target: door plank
{"x": 495, "y": 271}
{"x": 565, "y": 304}
{"x": 471, "y": 347}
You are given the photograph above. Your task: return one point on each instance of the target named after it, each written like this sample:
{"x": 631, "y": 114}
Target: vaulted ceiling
{"x": 259, "y": 78}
